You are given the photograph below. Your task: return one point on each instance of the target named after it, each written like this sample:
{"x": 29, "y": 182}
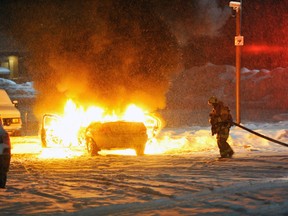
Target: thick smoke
{"x": 192, "y": 19}
{"x": 109, "y": 53}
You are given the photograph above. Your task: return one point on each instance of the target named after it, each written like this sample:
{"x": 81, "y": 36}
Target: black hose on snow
{"x": 260, "y": 135}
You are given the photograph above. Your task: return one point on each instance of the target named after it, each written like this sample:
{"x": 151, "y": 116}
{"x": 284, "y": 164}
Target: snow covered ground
{"x": 185, "y": 177}
{"x": 188, "y": 179}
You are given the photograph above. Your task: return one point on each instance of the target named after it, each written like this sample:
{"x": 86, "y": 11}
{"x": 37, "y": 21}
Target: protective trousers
{"x": 224, "y": 148}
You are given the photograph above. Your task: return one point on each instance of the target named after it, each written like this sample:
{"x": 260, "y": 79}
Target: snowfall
{"x": 185, "y": 177}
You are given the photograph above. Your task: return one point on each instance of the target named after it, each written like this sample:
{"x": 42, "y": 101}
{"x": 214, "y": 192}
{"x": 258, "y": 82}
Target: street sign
{"x": 239, "y": 40}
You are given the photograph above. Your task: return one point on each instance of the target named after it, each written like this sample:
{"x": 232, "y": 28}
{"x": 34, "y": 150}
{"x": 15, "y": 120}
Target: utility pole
{"x": 239, "y": 42}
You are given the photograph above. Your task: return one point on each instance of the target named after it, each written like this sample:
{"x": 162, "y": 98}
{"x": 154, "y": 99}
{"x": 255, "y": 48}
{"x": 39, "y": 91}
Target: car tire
{"x": 140, "y": 150}
{"x": 92, "y": 147}
{"x": 3, "y": 179}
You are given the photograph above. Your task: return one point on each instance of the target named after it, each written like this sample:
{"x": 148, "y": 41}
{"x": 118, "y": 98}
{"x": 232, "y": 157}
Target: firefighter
{"x": 221, "y": 121}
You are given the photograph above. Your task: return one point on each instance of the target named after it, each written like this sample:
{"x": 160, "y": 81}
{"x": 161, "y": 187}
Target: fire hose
{"x": 260, "y": 135}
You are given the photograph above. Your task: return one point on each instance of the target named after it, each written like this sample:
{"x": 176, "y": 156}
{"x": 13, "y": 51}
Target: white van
{"x": 9, "y": 114}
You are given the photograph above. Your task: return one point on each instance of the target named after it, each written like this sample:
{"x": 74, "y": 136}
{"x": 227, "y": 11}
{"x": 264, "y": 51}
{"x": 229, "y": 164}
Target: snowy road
{"x": 183, "y": 184}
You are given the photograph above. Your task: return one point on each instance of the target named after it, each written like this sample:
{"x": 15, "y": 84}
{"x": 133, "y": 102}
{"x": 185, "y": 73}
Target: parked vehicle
{"x": 116, "y": 135}
{"x": 10, "y": 115}
{"x": 5, "y": 155}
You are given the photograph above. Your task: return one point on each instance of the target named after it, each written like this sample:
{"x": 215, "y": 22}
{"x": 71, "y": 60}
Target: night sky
{"x": 119, "y": 52}
{"x": 264, "y": 26}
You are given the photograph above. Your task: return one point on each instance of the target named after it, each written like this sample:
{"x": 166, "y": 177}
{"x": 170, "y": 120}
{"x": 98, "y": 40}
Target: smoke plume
{"x": 108, "y": 53}
{"x": 192, "y": 19}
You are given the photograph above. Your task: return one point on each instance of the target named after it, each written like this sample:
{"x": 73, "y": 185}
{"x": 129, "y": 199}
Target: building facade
{"x": 12, "y": 57}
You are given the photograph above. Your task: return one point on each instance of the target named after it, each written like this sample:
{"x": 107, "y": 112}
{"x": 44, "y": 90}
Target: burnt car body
{"x": 116, "y": 135}
{"x": 99, "y": 135}
{"x": 5, "y": 155}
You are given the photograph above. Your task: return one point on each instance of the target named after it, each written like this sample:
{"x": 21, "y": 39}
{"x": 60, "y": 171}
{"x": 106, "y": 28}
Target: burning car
{"x": 102, "y": 133}
{"x": 116, "y": 135}
{"x": 97, "y": 136}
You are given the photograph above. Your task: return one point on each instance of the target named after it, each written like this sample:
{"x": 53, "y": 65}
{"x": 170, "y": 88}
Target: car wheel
{"x": 92, "y": 147}
{"x": 140, "y": 150}
{"x": 3, "y": 179}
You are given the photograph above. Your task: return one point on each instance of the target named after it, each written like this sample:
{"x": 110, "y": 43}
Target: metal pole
{"x": 238, "y": 66}
{"x": 239, "y": 41}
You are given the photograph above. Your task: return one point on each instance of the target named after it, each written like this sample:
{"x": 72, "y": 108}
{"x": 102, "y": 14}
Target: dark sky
{"x": 120, "y": 51}
{"x": 265, "y": 30}
{"x": 264, "y": 27}
{"x": 203, "y": 26}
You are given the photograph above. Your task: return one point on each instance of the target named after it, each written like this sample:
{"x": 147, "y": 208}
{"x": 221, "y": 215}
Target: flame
{"x": 64, "y": 131}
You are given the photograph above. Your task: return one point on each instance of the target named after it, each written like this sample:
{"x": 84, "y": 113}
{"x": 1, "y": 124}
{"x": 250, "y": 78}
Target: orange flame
{"x": 64, "y": 131}
{"x": 65, "y": 140}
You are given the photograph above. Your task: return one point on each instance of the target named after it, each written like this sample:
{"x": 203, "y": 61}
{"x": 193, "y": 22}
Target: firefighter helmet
{"x": 212, "y": 100}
